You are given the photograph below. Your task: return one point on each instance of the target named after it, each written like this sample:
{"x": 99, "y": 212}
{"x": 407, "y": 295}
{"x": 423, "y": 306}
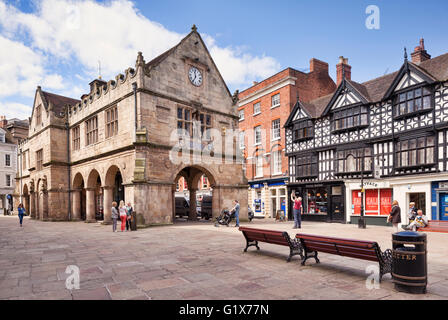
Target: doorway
{"x": 419, "y": 199}
{"x": 443, "y": 206}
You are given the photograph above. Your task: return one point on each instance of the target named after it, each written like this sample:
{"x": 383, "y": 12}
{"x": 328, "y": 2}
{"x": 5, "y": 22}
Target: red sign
{"x": 386, "y": 201}
{"x": 356, "y": 201}
{"x": 372, "y": 201}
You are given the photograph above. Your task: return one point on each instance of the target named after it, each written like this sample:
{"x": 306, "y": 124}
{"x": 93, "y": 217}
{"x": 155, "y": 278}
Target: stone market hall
{"x": 114, "y": 143}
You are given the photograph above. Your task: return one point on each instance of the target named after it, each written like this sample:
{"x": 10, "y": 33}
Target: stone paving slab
{"x": 192, "y": 261}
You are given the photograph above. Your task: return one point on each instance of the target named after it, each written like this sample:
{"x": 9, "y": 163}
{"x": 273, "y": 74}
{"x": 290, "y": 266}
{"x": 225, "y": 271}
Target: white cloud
{"x": 113, "y": 32}
{"x": 22, "y": 69}
{"x": 15, "y": 110}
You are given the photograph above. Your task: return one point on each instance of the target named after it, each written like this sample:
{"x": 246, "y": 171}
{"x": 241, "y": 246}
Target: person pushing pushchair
{"x": 227, "y": 216}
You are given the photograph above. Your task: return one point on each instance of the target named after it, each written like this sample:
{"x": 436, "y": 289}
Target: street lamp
{"x": 362, "y": 221}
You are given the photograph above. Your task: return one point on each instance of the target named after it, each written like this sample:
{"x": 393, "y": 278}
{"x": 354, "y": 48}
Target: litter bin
{"x": 133, "y": 221}
{"x": 409, "y": 263}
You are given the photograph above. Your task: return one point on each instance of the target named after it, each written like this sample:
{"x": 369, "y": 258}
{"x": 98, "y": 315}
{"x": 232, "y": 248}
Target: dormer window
{"x": 412, "y": 102}
{"x": 303, "y": 130}
{"x": 350, "y": 119}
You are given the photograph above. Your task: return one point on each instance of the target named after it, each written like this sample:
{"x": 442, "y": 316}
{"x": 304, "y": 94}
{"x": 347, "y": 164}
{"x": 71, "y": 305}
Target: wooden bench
{"x": 365, "y": 250}
{"x": 253, "y": 236}
{"x": 435, "y": 226}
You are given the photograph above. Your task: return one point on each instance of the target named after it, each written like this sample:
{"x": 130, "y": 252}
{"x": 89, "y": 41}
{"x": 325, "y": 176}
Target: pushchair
{"x": 225, "y": 218}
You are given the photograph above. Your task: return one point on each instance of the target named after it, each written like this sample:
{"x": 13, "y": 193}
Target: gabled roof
{"x": 379, "y": 89}
{"x": 58, "y": 102}
{"x": 157, "y": 60}
{"x": 359, "y": 90}
{"x": 294, "y": 112}
{"x": 405, "y": 68}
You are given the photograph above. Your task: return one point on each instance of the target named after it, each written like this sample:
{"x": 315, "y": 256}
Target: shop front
{"x": 321, "y": 202}
{"x": 268, "y": 197}
{"x": 439, "y": 200}
{"x": 378, "y": 197}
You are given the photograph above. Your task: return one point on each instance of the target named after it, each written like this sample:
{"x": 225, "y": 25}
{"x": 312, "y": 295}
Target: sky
{"x": 58, "y": 44}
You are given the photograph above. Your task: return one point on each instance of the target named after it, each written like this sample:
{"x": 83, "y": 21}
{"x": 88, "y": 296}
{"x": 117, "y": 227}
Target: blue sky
{"x": 57, "y": 43}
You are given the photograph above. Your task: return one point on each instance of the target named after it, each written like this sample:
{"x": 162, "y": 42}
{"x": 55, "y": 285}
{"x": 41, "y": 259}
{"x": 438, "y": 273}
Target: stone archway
{"x": 113, "y": 191}
{"x": 78, "y": 198}
{"x": 42, "y": 199}
{"x": 94, "y": 196}
{"x": 192, "y": 176}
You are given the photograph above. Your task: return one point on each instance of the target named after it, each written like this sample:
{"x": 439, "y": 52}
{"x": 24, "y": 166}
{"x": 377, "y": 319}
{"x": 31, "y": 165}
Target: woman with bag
{"x": 395, "y": 215}
{"x": 123, "y": 215}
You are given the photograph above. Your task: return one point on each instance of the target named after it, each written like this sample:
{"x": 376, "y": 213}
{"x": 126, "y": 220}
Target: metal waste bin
{"x": 133, "y": 221}
{"x": 409, "y": 263}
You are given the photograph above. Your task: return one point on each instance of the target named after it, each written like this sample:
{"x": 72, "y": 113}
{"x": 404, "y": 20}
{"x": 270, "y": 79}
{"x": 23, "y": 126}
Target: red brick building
{"x": 263, "y": 110}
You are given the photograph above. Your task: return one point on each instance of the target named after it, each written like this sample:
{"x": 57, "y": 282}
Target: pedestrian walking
{"x": 21, "y": 212}
{"x": 128, "y": 216}
{"x": 395, "y": 215}
{"x": 114, "y": 216}
{"x": 123, "y": 215}
{"x": 297, "y": 211}
{"x": 236, "y": 211}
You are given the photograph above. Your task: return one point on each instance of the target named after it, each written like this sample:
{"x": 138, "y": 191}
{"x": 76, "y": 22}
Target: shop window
{"x": 351, "y": 161}
{"x": 317, "y": 201}
{"x": 376, "y": 202}
{"x": 350, "y": 119}
{"x": 412, "y": 102}
{"x": 416, "y": 152}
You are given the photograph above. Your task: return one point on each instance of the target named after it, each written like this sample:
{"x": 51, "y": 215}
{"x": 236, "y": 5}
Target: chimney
{"x": 318, "y": 66}
{"x": 3, "y": 122}
{"x": 254, "y": 83}
{"x": 420, "y": 54}
{"x": 343, "y": 70}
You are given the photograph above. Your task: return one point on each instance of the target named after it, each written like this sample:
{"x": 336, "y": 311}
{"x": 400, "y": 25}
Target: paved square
{"x": 191, "y": 261}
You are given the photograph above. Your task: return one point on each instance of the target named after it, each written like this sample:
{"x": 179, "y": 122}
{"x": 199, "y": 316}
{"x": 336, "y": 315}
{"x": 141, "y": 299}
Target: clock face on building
{"x": 195, "y": 76}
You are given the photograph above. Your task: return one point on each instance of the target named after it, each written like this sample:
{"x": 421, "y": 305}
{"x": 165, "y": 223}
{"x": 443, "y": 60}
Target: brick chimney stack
{"x": 317, "y": 65}
{"x": 420, "y": 54}
{"x": 3, "y": 122}
{"x": 343, "y": 69}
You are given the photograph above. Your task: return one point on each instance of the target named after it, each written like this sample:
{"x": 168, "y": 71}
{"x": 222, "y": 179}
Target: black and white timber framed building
{"x": 397, "y": 125}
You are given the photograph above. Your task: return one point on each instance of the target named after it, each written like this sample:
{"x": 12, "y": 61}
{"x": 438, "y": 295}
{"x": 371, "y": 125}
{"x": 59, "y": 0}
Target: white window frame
{"x": 241, "y": 139}
{"x": 259, "y": 108}
{"x": 241, "y": 114}
{"x": 273, "y": 130}
{"x": 257, "y": 129}
{"x": 8, "y": 180}
{"x": 6, "y": 162}
{"x": 273, "y": 98}
{"x": 277, "y": 162}
{"x": 258, "y": 166}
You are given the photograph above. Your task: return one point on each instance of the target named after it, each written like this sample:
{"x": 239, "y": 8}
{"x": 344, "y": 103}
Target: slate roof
{"x": 375, "y": 89}
{"x": 59, "y": 102}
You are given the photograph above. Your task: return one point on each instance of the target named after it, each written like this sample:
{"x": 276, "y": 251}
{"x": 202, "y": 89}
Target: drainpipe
{"x": 69, "y": 175}
{"x": 134, "y": 87}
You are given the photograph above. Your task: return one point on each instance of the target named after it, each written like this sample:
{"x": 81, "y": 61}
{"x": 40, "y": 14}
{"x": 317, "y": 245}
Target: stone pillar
{"x": 193, "y": 214}
{"x": 44, "y": 206}
{"x": 107, "y": 204}
{"x": 36, "y": 205}
{"x": 32, "y": 206}
{"x": 90, "y": 205}
{"x": 76, "y": 205}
